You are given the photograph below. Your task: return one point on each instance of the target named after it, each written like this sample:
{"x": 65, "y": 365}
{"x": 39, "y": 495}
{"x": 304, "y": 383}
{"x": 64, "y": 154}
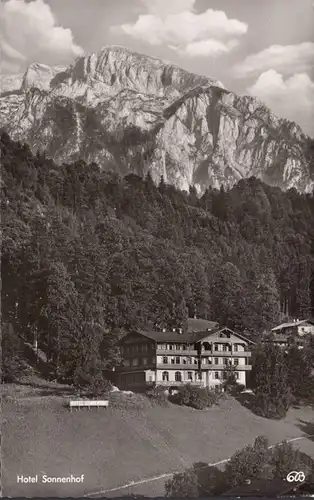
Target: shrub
{"x": 183, "y": 485}
{"x": 196, "y": 397}
{"x": 157, "y": 395}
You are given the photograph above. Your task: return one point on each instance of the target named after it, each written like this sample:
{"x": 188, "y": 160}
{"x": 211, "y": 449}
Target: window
{"x": 236, "y": 374}
{"x": 177, "y": 360}
{"x": 165, "y": 376}
{"x": 162, "y": 347}
{"x": 184, "y": 347}
{"x": 224, "y": 348}
{"x": 216, "y": 375}
{"x": 145, "y": 361}
{"x": 216, "y": 347}
{"x": 225, "y": 361}
{"x": 172, "y": 361}
{"x": 165, "y": 360}
{"x": 199, "y": 376}
{"x": 216, "y": 361}
{"x": 190, "y": 376}
{"x": 150, "y": 378}
{"x": 145, "y": 346}
{"x": 236, "y": 361}
{"x": 178, "y": 377}
{"x": 236, "y": 347}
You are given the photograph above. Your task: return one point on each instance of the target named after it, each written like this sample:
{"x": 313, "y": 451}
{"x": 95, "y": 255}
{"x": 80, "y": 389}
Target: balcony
{"x": 220, "y": 366}
{"x": 176, "y": 352}
{"x": 179, "y": 366}
{"x": 230, "y": 354}
{"x": 198, "y": 383}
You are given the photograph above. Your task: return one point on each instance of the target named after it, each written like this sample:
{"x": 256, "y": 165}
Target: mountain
{"x": 133, "y": 113}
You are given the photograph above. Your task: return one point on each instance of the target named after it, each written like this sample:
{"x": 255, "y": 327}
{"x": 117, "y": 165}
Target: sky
{"x": 263, "y": 48}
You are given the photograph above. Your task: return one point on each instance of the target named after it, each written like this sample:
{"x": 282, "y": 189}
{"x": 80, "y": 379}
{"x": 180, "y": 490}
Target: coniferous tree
{"x": 272, "y": 391}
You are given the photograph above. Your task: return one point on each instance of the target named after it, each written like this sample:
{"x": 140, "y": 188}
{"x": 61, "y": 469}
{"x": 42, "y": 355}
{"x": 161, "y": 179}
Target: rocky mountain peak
{"x": 39, "y": 75}
{"x": 115, "y": 68}
{"x": 135, "y": 113}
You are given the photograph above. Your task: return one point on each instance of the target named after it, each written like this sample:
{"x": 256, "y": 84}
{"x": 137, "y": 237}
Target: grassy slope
{"x": 115, "y": 446}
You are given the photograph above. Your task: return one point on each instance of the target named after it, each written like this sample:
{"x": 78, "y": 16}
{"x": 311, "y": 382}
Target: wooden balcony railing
{"x": 179, "y": 366}
{"x": 176, "y": 352}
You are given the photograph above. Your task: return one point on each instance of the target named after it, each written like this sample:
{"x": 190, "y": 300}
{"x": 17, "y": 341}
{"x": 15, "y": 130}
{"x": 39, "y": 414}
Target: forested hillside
{"x": 86, "y": 254}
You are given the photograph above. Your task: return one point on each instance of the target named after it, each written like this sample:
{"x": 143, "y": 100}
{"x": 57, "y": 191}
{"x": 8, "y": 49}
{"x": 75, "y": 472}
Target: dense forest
{"x": 87, "y": 255}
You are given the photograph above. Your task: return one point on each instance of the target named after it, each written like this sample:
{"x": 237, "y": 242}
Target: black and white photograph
{"x": 157, "y": 248}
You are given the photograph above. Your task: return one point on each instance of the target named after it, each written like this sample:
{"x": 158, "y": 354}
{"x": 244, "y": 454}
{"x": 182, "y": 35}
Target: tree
{"x": 300, "y": 377}
{"x": 226, "y": 295}
{"x": 183, "y": 485}
{"x": 249, "y": 463}
{"x": 284, "y": 459}
{"x": 12, "y": 366}
{"x": 272, "y": 391}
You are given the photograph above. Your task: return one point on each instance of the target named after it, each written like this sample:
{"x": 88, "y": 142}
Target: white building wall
{"x": 305, "y": 330}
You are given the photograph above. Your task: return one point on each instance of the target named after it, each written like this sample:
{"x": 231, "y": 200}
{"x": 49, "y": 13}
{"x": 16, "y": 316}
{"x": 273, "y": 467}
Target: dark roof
{"x": 291, "y": 323}
{"x": 184, "y": 338}
{"x": 200, "y": 325}
{"x": 276, "y": 487}
{"x": 188, "y": 337}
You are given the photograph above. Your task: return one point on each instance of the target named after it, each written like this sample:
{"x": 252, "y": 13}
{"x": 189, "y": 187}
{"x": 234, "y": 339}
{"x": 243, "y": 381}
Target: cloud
{"x": 166, "y": 7}
{"x": 287, "y": 59}
{"x": 211, "y": 48}
{"x": 30, "y": 34}
{"x": 176, "y": 24}
{"x": 291, "y": 98}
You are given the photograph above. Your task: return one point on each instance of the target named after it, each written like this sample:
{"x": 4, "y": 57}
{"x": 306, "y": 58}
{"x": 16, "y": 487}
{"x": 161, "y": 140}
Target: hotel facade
{"x": 201, "y": 356}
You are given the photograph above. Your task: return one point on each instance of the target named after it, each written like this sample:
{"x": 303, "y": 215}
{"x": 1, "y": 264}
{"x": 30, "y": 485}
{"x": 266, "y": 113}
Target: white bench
{"x": 84, "y": 403}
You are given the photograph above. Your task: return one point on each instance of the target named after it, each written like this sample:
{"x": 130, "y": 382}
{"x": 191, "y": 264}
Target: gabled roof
{"x": 292, "y": 323}
{"x": 219, "y": 329}
{"x": 187, "y": 337}
{"x": 178, "y": 338}
{"x": 200, "y": 325}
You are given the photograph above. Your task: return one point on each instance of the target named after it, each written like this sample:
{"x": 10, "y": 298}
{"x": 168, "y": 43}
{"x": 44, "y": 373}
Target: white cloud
{"x": 176, "y": 24}
{"x": 167, "y": 7}
{"x": 287, "y": 59}
{"x": 291, "y": 98}
{"x": 30, "y": 34}
{"x": 211, "y": 48}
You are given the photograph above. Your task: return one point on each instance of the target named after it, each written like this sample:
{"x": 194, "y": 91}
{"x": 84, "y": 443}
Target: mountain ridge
{"x": 149, "y": 115}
